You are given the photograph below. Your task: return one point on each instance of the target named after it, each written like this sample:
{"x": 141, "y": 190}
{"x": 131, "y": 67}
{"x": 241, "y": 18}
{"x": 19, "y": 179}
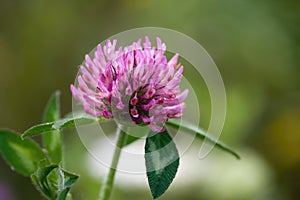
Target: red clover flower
{"x": 132, "y": 84}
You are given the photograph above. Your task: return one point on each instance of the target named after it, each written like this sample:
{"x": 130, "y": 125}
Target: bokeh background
{"x": 255, "y": 44}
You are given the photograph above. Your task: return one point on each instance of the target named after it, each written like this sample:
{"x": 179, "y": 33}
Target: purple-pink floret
{"x": 135, "y": 82}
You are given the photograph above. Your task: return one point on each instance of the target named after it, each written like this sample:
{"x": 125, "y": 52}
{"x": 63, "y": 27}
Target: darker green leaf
{"x": 200, "y": 133}
{"x": 162, "y": 161}
{"x": 23, "y": 156}
{"x": 52, "y": 139}
{"x": 54, "y": 182}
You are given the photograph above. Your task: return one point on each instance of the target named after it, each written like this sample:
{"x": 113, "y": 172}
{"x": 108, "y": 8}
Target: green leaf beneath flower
{"x": 23, "y": 156}
{"x": 54, "y": 182}
{"x": 162, "y": 161}
{"x": 52, "y": 139}
{"x": 200, "y": 133}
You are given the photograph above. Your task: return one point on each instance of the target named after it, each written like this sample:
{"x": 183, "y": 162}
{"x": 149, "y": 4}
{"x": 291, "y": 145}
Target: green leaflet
{"x": 54, "y": 182}
{"x": 23, "y": 156}
{"x": 201, "y": 134}
{"x": 52, "y": 139}
{"x": 78, "y": 119}
{"x": 162, "y": 161}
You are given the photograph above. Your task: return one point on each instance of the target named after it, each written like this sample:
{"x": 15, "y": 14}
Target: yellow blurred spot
{"x": 283, "y": 139}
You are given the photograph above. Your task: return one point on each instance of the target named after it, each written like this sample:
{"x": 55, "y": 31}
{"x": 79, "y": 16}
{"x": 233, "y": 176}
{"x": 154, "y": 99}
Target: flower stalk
{"x": 107, "y": 186}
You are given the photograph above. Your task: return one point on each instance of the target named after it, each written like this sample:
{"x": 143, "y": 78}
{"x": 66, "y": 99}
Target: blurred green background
{"x": 255, "y": 44}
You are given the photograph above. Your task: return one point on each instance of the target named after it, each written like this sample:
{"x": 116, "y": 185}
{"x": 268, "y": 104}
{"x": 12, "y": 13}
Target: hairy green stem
{"x": 106, "y": 188}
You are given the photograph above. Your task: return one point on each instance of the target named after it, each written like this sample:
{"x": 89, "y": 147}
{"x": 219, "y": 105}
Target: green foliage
{"x": 75, "y": 119}
{"x": 37, "y": 129}
{"x": 27, "y": 157}
{"x": 68, "y": 122}
{"x": 201, "y": 134}
{"x": 52, "y": 139}
{"x": 82, "y": 119}
{"x": 54, "y": 182}
{"x": 23, "y": 156}
{"x": 131, "y": 139}
{"x": 52, "y": 110}
{"x": 162, "y": 161}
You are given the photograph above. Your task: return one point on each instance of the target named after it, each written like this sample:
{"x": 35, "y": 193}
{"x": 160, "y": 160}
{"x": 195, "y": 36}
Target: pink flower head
{"x": 135, "y": 84}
